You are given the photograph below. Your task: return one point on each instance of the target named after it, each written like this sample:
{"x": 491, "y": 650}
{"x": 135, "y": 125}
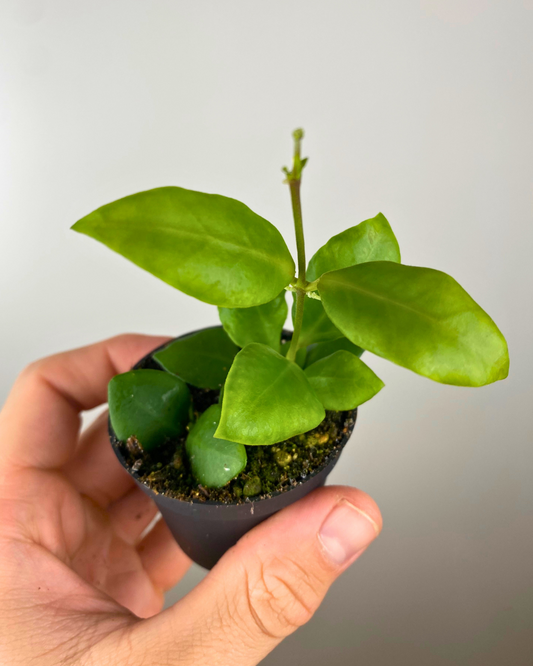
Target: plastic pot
{"x": 205, "y": 530}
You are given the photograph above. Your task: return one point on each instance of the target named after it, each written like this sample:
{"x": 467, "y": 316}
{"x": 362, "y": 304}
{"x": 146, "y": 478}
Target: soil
{"x": 270, "y": 469}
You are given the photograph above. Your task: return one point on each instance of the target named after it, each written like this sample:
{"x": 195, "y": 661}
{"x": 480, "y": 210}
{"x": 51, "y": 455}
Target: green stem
{"x": 298, "y": 321}
{"x": 294, "y": 186}
{"x": 294, "y": 179}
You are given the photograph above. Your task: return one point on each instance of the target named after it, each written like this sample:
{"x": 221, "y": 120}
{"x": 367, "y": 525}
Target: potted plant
{"x": 225, "y": 426}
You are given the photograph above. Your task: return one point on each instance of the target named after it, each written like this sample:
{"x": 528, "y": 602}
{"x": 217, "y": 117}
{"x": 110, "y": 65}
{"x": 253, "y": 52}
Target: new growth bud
{"x": 298, "y": 134}
{"x": 298, "y": 163}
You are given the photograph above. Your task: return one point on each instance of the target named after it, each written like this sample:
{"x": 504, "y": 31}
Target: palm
{"x": 90, "y": 541}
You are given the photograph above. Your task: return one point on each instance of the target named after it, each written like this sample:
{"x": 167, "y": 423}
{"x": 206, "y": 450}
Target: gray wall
{"x": 420, "y": 109}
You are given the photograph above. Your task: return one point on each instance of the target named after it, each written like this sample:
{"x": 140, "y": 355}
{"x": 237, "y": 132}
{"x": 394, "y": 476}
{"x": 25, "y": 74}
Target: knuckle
{"x": 123, "y": 341}
{"x": 35, "y": 373}
{"x": 123, "y": 338}
{"x": 31, "y": 376}
{"x": 32, "y": 370}
{"x": 281, "y": 595}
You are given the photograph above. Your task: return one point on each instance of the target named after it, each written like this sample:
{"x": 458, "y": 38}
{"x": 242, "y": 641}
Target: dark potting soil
{"x": 270, "y": 469}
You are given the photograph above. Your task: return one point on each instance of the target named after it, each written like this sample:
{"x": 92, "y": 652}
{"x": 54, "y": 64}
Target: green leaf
{"x": 267, "y": 399}
{"x": 211, "y": 247}
{"x": 202, "y": 359}
{"x": 316, "y": 326}
{"x": 262, "y": 323}
{"x": 371, "y": 240}
{"x": 342, "y": 381}
{"x": 214, "y": 462}
{"x": 150, "y": 405}
{"x": 323, "y": 349}
{"x": 419, "y": 318}
{"x": 301, "y": 354}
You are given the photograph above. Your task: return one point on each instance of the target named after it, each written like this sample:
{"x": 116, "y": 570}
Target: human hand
{"x": 80, "y": 585}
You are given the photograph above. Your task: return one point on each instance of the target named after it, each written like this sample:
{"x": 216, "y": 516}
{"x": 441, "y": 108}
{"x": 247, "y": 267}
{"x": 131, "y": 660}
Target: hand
{"x": 80, "y": 585}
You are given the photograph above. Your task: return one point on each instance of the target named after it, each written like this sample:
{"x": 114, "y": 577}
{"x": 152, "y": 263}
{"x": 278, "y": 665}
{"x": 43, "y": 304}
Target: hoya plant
{"x": 353, "y": 295}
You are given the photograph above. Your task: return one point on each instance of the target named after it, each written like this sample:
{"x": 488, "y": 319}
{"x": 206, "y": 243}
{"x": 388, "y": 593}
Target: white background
{"x": 420, "y": 109}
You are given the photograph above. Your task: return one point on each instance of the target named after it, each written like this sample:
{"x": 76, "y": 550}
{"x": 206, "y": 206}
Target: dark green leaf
{"x": 342, "y": 381}
{"x": 419, "y": 318}
{"x": 262, "y": 323}
{"x": 202, "y": 359}
{"x": 371, "y": 240}
{"x": 316, "y": 326}
{"x": 323, "y": 349}
{"x": 300, "y": 354}
{"x": 211, "y": 247}
{"x": 150, "y": 405}
{"x": 267, "y": 399}
{"x": 214, "y": 462}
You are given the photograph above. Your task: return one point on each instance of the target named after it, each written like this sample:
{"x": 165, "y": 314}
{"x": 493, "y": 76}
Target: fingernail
{"x": 346, "y": 531}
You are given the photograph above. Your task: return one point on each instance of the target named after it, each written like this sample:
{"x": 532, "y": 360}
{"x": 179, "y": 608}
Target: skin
{"x": 81, "y": 583}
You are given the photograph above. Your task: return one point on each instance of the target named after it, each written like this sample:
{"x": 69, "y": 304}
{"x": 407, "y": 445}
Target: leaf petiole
{"x": 311, "y": 286}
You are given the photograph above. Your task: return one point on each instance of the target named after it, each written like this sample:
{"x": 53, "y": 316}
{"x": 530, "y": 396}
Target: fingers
{"x": 130, "y": 585}
{"x": 162, "y": 558}
{"x": 94, "y": 469}
{"x": 132, "y": 514}
{"x": 40, "y": 421}
{"x": 269, "y": 584}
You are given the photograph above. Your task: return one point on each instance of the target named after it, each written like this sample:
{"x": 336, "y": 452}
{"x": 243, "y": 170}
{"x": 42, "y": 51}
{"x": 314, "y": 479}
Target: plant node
{"x": 298, "y": 164}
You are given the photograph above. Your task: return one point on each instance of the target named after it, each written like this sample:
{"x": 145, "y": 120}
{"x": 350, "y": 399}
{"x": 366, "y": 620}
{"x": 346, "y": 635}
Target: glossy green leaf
{"x": 262, "y": 323}
{"x": 316, "y": 326}
{"x": 371, "y": 240}
{"x": 419, "y": 318}
{"x": 301, "y": 354}
{"x": 150, "y": 405}
{"x": 214, "y": 462}
{"x": 202, "y": 359}
{"x": 323, "y": 349}
{"x": 267, "y": 399}
{"x": 211, "y": 247}
{"x": 343, "y": 381}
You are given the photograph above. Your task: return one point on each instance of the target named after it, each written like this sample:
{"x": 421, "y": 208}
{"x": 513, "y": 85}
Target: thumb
{"x": 269, "y": 584}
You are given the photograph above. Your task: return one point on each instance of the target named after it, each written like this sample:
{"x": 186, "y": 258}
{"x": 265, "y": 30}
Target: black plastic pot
{"x": 205, "y": 530}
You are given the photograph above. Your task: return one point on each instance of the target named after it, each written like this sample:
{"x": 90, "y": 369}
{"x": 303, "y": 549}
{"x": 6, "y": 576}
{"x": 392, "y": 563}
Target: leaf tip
{"x": 83, "y": 225}
{"x": 504, "y": 365}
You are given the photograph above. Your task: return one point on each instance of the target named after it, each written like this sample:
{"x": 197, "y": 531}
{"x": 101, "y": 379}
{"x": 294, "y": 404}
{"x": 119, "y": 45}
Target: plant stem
{"x": 298, "y": 321}
{"x": 294, "y": 179}
{"x": 294, "y": 186}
